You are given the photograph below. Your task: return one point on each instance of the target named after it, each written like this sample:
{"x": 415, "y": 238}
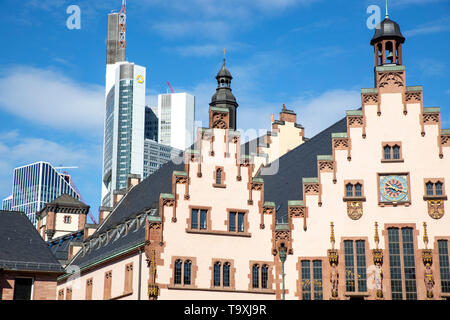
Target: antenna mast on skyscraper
{"x": 122, "y": 23}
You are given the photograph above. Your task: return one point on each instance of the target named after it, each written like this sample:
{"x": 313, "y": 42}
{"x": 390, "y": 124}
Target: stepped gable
{"x": 297, "y": 164}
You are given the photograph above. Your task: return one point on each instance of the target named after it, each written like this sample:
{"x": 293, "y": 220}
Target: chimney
{"x": 89, "y": 230}
{"x": 118, "y": 195}
{"x": 74, "y": 247}
{"x": 288, "y": 115}
{"x": 103, "y": 212}
{"x": 133, "y": 180}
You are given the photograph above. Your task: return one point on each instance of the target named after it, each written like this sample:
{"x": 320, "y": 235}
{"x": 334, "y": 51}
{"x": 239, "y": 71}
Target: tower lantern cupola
{"x": 387, "y": 43}
{"x": 223, "y": 103}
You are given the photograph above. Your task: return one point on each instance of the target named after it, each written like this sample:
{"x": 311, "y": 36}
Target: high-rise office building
{"x": 36, "y": 184}
{"x": 156, "y": 154}
{"x": 151, "y": 123}
{"x": 123, "y": 151}
{"x": 123, "y": 147}
{"x": 176, "y": 119}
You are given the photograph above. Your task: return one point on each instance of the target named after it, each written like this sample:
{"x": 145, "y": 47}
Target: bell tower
{"x": 387, "y": 43}
{"x": 222, "y": 109}
{"x": 389, "y": 69}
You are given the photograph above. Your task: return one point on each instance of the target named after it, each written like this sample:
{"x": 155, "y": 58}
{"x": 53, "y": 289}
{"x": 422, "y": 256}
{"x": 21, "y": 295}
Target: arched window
{"x": 264, "y": 276}
{"x": 387, "y": 153}
{"x": 219, "y": 176}
{"x": 187, "y": 272}
{"x": 177, "y": 272}
{"x": 226, "y": 274}
{"x": 358, "y": 190}
{"x": 396, "y": 152}
{"x": 217, "y": 266}
{"x": 438, "y": 187}
{"x": 429, "y": 189}
{"x": 349, "y": 190}
{"x": 255, "y": 276}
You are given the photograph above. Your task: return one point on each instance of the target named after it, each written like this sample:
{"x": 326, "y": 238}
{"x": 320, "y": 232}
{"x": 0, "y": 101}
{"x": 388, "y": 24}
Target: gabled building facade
{"x": 358, "y": 211}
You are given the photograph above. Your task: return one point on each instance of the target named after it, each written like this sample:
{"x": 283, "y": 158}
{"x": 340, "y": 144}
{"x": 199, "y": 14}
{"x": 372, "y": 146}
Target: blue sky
{"x": 313, "y": 55}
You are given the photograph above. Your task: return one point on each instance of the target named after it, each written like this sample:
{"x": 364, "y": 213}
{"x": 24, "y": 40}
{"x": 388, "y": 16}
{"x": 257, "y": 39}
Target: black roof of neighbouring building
{"x": 60, "y": 246}
{"x": 21, "y": 246}
{"x": 299, "y": 163}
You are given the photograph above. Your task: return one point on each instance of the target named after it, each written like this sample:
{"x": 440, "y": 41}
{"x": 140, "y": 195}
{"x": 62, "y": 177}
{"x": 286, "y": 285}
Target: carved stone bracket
{"x": 311, "y": 188}
{"x": 282, "y": 235}
{"x": 296, "y": 209}
{"x": 427, "y": 256}
{"x": 377, "y": 256}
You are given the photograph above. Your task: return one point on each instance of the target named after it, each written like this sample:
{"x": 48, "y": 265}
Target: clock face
{"x": 394, "y": 188}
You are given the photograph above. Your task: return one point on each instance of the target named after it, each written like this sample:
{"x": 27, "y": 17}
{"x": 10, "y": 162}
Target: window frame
{"x": 207, "y": 219}
{"x": 192, "y": 262}
{"x": 222, "y": 177}
{"x": 237, "y": 214}
{"x": 313, "y": 293}
{"x": 391, "y": 145}
{"x": 269, "y": 281}
{"x": 353, "y": 196}
{"x": 434, "y": 182}
{"x": 231, "y": 276}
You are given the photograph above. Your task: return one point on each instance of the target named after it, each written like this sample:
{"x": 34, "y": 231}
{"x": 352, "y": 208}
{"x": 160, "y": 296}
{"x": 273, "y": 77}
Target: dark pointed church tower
{"x": 222, "y": 109}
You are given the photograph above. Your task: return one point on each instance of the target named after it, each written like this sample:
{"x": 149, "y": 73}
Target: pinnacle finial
{"x": 224, "y": 52}
{"x": 332, "y": 239}
{"x": 376, "y": 237}
{"x": 425, "y": 235}
{"x": 387, "y": 13}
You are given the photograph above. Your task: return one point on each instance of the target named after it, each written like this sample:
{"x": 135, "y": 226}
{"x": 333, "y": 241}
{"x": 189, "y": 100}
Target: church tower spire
{"x": 223, "y": 101}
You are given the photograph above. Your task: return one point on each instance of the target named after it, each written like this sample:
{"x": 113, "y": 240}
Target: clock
{"x": 394, "y": 188}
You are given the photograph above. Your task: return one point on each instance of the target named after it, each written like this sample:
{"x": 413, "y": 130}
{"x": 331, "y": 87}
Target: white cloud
{"x": 50, "y": 98}
{"x": 437, "y": 26}
{"x": 18, "y": 150}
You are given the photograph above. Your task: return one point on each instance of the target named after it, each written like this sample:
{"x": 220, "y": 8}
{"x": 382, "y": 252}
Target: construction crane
{"x": 122, "y": 24}
{"x": 171, "y": 89}
{"x": 72, "y": 184}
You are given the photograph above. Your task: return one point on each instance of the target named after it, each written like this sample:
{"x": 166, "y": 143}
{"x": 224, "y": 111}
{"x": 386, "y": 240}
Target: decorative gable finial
{"x": 387, "y": 13}
{"x": 332, "y": 239}
{"x": 425, "y": 235}
{"x": 376, "y": 237}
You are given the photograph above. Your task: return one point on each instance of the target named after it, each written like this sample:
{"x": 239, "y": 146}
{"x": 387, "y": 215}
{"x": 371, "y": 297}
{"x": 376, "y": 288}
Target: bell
{"x": 390, "y": 56}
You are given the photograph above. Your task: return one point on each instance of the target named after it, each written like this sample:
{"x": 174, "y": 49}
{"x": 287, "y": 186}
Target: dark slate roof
{"x": 140, "y": 198}
{"x": 21, "y": 246}
{"x": 387, "y": 29}
{"x": 60, "y": 246}
{"x": 223, "y": 72}
{"x": 143, "y": 196}
{"x": 299, "y": 163}
{"x": 119, "y": 242}
{"x": 67, "y": 200}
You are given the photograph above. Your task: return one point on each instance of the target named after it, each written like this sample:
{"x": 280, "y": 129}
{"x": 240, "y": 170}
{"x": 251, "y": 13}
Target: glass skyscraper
{"x": 156, "y": 154}
{"x": 34, "y": 185}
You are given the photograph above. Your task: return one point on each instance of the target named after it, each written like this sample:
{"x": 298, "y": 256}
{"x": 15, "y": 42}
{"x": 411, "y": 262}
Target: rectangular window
{"x": 409, "y": 265}
{"x": 69, "y": 294}
{"x": 236, "y": 221}
{"x": 355, "y": 251}
{"x": 203, "y": 214}
{"x": 306, "y": 280}
{"x": 317, "y": 273}
{"x": 22, "y": 288}
{"x": 194, "y": 219}
{"x": 402, "y": 250}
{"x": 128, "y": 278}
{"x": 349, "y": 266}
{"x": 395, "y": 263}
{"x": 444, "y": 266}
{"x": 240, "y": 222}
{"x": 361, "y": 265}
{"x": 107, "y": 285}
{"x": 89, "y": 289}
{"x": 232, "y": 225}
